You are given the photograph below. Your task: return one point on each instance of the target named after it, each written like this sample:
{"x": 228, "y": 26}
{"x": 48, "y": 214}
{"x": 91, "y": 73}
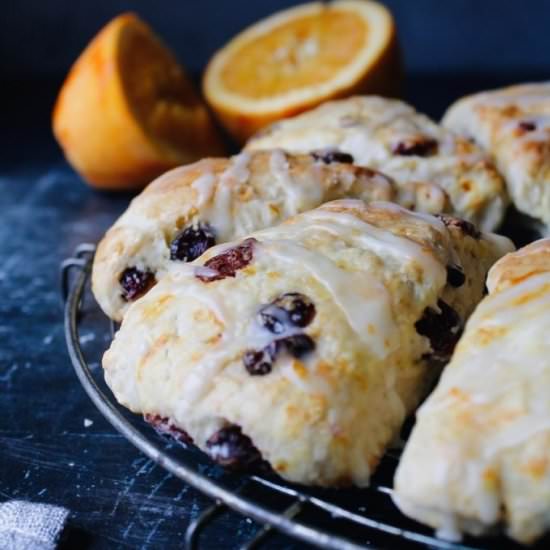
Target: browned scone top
{"x": 391, "y": 136}
{"x": 513, "y": 125}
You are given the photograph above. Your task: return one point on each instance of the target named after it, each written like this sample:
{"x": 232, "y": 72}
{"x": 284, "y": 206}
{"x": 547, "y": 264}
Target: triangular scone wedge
{"x": 450, "y": 172}
{"x": 306, "y": 344}
{"x": 479, "y": 455}
{"x": 191, "y": 208}
{"x": 513, "y": 124}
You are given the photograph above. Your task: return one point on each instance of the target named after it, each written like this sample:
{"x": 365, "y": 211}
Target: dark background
{"x": 118, "y": 498}
{"x": 451, "y": 47}
{"x": 497, "y": 36}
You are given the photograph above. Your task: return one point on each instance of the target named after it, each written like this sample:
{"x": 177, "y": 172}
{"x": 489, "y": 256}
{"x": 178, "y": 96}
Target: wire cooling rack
{"x": 337, "y": 519}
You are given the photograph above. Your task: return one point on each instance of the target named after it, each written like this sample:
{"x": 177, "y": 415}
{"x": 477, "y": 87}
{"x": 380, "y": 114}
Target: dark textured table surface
{"x": 54, "y": 446}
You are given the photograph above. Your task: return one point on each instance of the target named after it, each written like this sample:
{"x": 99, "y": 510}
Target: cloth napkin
{"x": 30, "y": 526}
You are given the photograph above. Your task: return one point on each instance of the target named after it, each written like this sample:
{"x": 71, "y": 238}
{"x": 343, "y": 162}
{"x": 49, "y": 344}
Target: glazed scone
{"x": 513, "y": 124}
{"x": 389, "y": 135}
{"x": 478, "y": 456}
{"x": 189, "y": 209}
{"x": 306, "y": 344}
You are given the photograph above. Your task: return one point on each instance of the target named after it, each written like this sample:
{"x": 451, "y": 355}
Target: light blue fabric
{"x": 30, "y": 526}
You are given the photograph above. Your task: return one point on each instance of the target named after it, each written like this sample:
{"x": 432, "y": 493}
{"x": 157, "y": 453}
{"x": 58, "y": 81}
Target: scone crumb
{"x": 300, "y": 369}
{"x": 466, "y": 185}
{"x": 536, "y": 467}
{"x": 530, "y": 296}
{"x": 316, "y": 409}
{"x": 490, "y": 477}
{"x": 154, "y": 309}
{"x": 458, "y": 394}
{"x": 486, "y": 335}
{"x": 275, "y": 209}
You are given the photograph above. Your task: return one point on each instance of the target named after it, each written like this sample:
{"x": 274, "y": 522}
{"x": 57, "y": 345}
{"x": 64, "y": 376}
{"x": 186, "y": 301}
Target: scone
{"x": 513, "y": 124}
{"x": 390, "y": 136}
{"x": 479, "y": 455}
{"x": 304, "y": 345}
{"x": 189, "y": 209}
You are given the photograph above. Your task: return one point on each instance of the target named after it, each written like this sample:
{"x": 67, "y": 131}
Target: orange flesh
{"x": 159, "y": 94}
{"x": 297, "y": 54}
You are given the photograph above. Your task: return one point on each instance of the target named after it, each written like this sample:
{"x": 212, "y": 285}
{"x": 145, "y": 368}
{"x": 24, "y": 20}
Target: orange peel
{"x": 297, "y": 58}
{"x": 127, "y": 111}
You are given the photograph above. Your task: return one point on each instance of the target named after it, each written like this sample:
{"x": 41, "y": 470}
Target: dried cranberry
{"x": 233, "y": 449}
{"x": 192, "y": 242}
{"x": 527, "y": 126}
{"x": 297, "y": 345}
{"x": 164, "y": 427}
{"x": 135, "y": 282}
{"x": 419, "y": 146}
{"x": 229, "y": 262}
{"x": 300, "y": 308}
{"x": 466, "y": 227}
{"x": 260, "y": 362}
{"x": 455, "y": 276}
{"x": 273, "y": 318}
{"x": 329, "y": 157}
{"x": 290, "y": 309}
{"x": 442, "y": 328}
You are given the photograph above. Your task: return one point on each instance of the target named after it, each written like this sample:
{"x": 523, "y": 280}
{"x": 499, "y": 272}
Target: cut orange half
{"x": 127, "y": 112}
{"x": 300, "y": 57}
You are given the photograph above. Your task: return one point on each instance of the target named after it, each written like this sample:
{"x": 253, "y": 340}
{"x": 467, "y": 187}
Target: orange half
{"x": 300, "y": 57}
{"x": 127, "y": 111}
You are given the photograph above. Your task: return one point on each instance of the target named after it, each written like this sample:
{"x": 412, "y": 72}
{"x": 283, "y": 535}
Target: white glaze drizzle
{"x": 199, "y": 380}
{"x": 435, "y": 222}
{"x": 379, "y": 241}
{"x": 309, "y": 192}
{"x": 448, "y": 249}
{"x": 362, "y": 298}
{"x": 507, "y": 364}
{"x": 421, "y": 217}
{"x": 204, "y": 186}
{"x": 221, "y": 214}
{"x": 234, "y": 339}
{"x": 502, "y": 244}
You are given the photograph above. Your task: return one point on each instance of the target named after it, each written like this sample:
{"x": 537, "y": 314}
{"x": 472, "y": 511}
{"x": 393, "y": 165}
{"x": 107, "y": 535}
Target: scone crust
{"x": 325, "y": 417}
{"x": 477, "y": 458}
{"x": 389, "y": 135}
{"x": 235, "y": 196}
{"x": 513, "y": 124}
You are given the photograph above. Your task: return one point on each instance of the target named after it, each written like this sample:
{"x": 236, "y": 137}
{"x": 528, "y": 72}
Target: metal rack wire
{"x": 343, "y": 519}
